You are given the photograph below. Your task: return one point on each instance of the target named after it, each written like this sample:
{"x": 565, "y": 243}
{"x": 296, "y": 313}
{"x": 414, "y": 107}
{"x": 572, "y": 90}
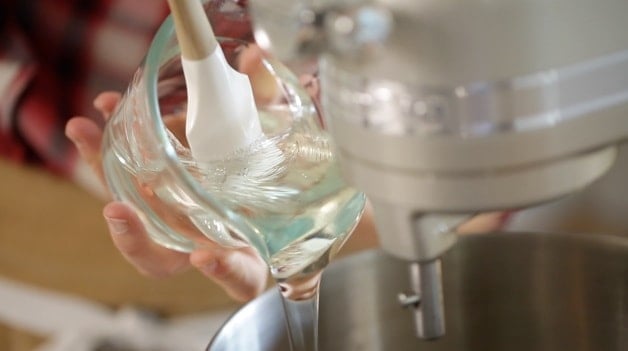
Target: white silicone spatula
{"x": 221, "y": 112}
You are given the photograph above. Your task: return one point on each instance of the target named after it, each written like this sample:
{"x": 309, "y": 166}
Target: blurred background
{"x": 53, "y": 238}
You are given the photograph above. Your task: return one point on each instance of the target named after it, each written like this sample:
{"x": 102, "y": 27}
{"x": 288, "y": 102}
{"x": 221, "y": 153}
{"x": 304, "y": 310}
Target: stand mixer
{"x": 442, "y": 109}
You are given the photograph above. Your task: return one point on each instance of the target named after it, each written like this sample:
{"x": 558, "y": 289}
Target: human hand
{"x": 240, "y": 272}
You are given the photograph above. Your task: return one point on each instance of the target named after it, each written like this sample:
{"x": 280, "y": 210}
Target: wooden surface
{"x": 52, "y": 235}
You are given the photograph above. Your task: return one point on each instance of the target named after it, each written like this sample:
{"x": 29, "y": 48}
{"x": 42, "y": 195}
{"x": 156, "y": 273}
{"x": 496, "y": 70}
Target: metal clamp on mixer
{"x": 443, "y": 109}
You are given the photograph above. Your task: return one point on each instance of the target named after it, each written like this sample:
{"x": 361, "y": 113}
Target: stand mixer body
{"x": 441, "y": 109}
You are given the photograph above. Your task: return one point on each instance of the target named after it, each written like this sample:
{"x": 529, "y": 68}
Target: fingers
{"x": 485, "y": 222}
{"x": 364, "y": 236}
{"x": 263, "y": 82}
{"x": 87, "y": 137}
{"x": 131, "y": 239}
{"x": 312, "y": 85}
{"x": 106, "y": 103}
{"x": 241, "y": 273}
{"x": 176, "y": 125}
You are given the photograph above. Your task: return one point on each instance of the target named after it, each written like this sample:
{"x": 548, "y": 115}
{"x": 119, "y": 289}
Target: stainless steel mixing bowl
{"x": 531, "y": 292}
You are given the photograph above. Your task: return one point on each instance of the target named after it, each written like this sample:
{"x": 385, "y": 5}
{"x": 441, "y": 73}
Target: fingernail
{"x": 117, "y": 226}
{"x": 100, "y": 106}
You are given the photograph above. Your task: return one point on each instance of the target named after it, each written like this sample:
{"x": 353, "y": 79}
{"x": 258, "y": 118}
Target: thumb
{"x": 241, "y": 273}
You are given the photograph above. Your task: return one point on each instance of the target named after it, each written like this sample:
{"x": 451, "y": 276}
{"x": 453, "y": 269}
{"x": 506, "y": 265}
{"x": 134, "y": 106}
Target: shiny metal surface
{"x": 502, "y": 292}
{"x": 427, "y": 287}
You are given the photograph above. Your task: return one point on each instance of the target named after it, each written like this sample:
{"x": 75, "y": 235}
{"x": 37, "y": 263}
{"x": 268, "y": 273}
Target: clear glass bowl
{"x": 147, "y": 164}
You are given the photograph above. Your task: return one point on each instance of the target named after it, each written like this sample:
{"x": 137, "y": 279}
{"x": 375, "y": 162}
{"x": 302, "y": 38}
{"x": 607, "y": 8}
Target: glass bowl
{"x": 148, "y": 165}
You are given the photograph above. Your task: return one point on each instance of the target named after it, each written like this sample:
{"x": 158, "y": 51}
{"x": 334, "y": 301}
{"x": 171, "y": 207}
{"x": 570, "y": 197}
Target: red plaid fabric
{"x": 57, "y": 55}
